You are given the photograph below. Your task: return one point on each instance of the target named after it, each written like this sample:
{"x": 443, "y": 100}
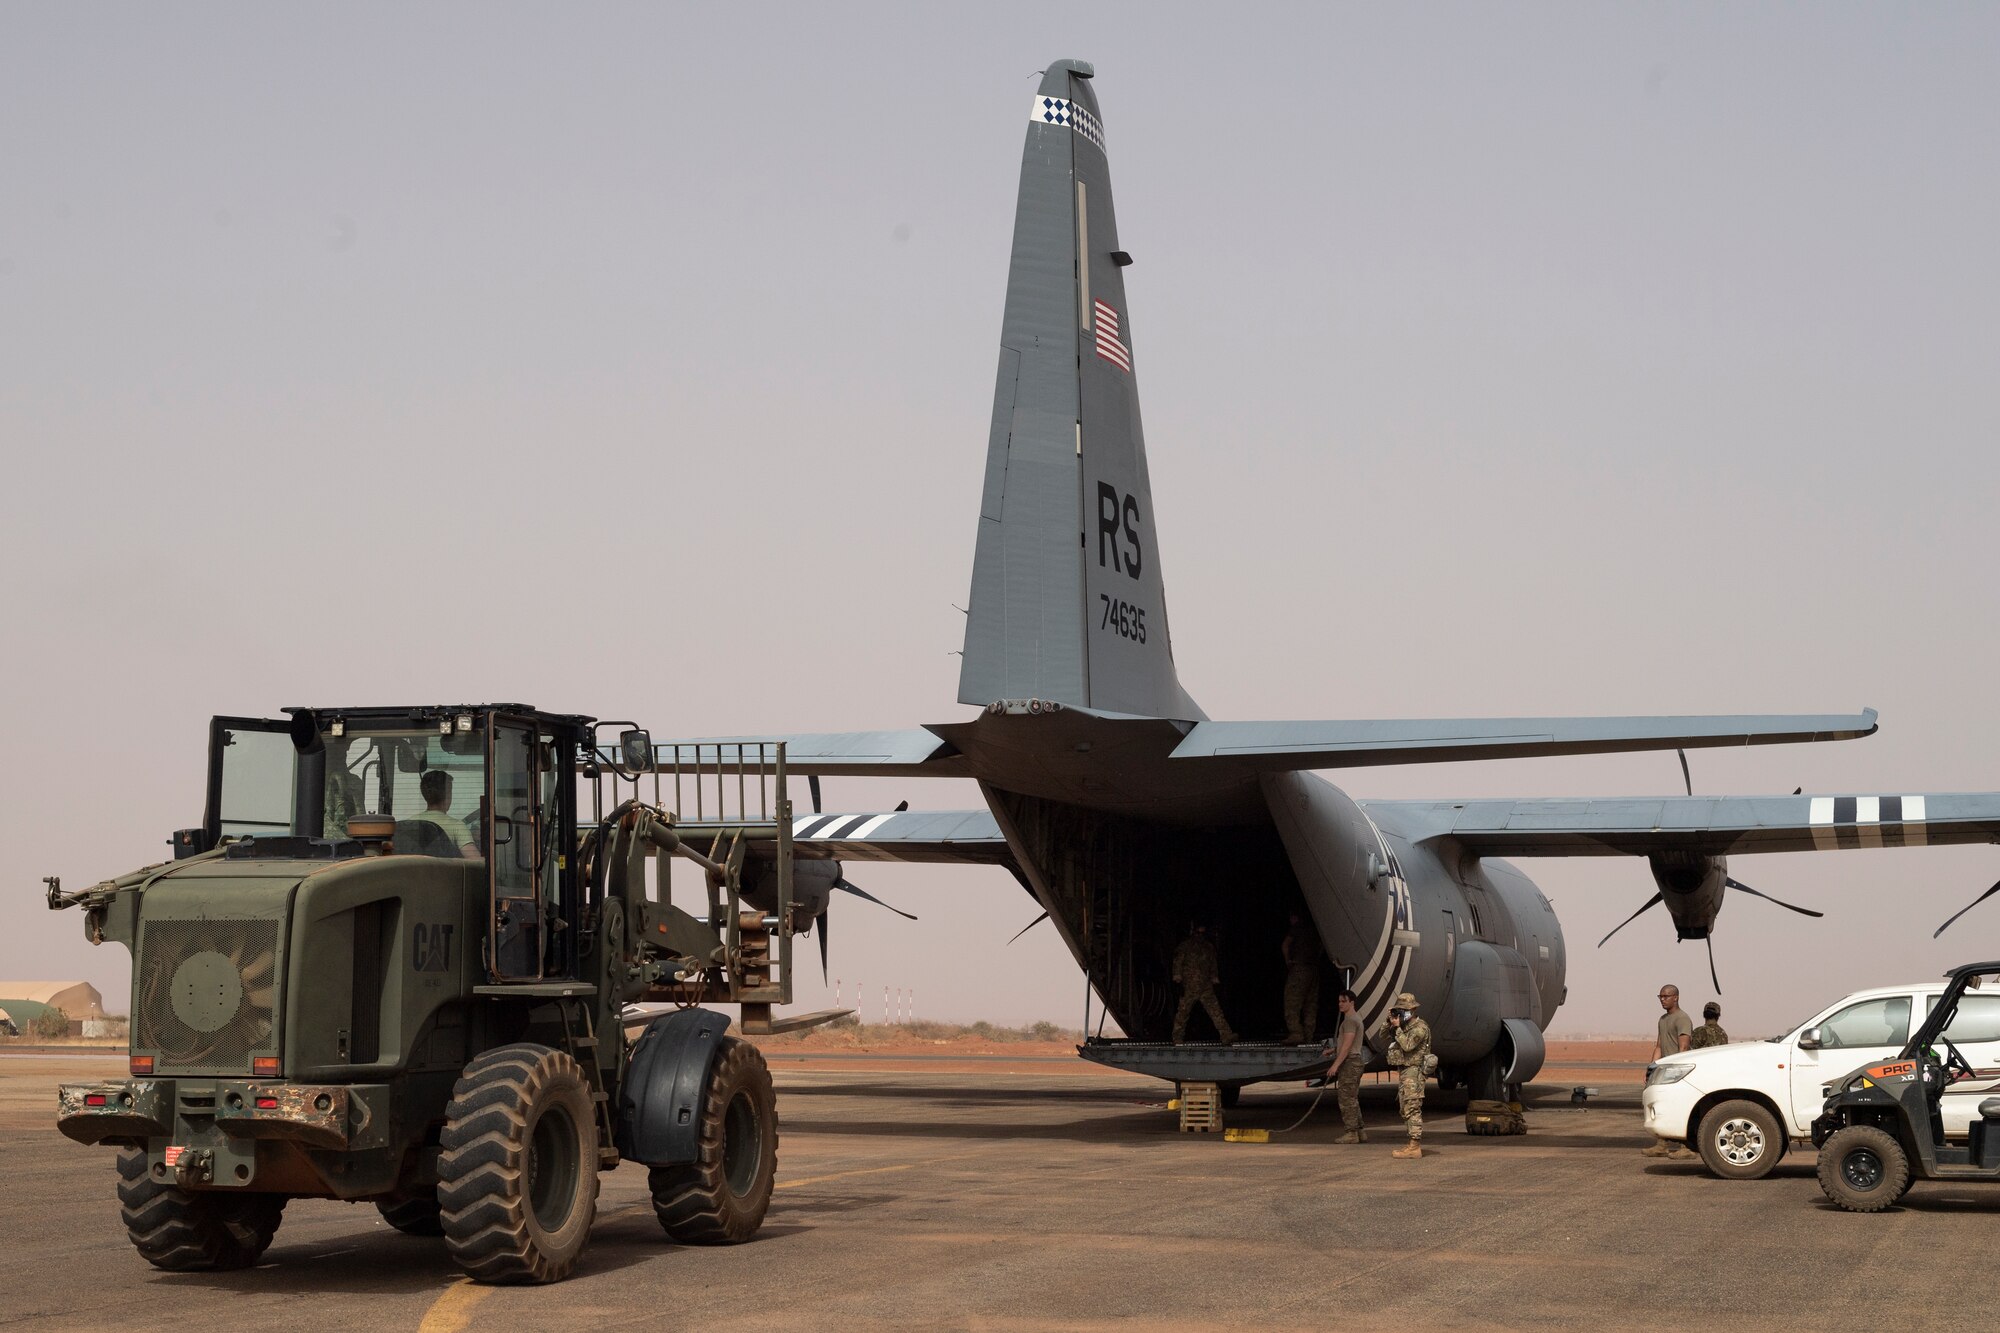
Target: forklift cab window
{"x": 433, "y": 784}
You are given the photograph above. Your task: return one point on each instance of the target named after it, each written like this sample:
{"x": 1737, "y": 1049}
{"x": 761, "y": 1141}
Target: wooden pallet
{"x": 1201, "y": 1108}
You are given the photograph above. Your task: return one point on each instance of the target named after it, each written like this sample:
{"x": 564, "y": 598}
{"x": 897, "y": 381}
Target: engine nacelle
{"x": 812, "y": 885}
{"x": 1691, "y": 885}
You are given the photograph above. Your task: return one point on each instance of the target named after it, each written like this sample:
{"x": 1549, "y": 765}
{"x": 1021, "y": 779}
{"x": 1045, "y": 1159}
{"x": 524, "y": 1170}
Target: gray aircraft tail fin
{"x": 1067, "y": 600}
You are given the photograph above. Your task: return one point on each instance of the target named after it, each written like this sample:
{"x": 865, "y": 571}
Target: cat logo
{"x": 430, "y": 949}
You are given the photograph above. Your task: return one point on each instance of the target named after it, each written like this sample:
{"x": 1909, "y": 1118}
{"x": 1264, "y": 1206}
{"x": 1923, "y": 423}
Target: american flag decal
{"x": 1105, "y": 326}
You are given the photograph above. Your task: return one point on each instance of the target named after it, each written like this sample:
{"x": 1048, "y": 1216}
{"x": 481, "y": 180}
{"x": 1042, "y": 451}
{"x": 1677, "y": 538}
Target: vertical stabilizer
{"x": 1067, "y": 599}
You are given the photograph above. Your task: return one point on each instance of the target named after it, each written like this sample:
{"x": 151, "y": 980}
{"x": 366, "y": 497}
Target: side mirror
{"x": 1809, "y": 1039}
{"x": 635, "y": 750}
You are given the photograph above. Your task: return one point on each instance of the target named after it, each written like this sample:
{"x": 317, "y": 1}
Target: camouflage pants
{"x": 1204, "y": 995}
{"x": 1301, "y": 1002}
{"x": 1410, "y": 1100}
{"x": 1350, "y": 1093}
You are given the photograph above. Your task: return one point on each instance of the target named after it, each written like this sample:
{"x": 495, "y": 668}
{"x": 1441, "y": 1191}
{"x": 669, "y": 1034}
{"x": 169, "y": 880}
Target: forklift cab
{"x": 492, "y": 783}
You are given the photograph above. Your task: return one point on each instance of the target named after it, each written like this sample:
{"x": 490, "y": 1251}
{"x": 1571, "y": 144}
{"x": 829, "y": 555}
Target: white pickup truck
{"x": 1741, "y": 1105}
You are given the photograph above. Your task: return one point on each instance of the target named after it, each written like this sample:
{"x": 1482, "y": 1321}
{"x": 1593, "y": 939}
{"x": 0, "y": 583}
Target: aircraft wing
{"x": 1281, "y": 746}
{"x": 967, "y": 837}
{"x": 912, "y": 753}
{"x": 1716, "y": 825}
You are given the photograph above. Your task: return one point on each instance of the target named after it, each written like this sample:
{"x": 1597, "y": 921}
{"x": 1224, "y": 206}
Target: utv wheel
{"x": 184, "y": 1231}
{"x": 721, "y": 1199}
{"x": 1740, "y": 1140}
{"x": 1863, "y": 1169}
{"x": 419, "y": 1216}
{"x": 517, "y": 1180}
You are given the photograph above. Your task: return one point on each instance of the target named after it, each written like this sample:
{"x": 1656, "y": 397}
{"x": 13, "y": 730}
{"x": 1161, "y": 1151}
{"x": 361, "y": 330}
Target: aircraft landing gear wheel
{"x": 1740, "y": 1140}
{"x": 1232, "y": 1095}
{"x": 721, "y": 1198}
{"x": 191, "y": 1231}
{"x": 517, "y": 1180}
{"x": 1863, "y": 1169}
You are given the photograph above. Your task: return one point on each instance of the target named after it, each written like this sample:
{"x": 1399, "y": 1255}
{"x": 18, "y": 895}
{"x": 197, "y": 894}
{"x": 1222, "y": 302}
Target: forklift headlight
{"x": 1669, "y": 1074}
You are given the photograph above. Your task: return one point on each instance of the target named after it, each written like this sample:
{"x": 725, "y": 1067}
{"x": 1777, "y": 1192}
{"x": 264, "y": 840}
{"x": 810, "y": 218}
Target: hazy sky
{"x": 638, "y": 361}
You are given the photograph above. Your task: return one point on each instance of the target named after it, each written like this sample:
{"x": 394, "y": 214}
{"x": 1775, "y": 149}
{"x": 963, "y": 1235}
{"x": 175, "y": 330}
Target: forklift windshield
{"x": 432, "y": 783}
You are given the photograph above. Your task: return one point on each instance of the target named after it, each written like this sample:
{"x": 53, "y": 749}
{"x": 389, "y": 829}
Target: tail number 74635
{"x": 1122, "y": 618}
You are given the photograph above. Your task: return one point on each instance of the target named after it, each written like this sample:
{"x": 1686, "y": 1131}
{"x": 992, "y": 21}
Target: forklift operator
{"x": 436, "y": 787}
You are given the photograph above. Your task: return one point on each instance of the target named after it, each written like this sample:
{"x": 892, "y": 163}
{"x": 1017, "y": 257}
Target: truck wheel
{"x": 418, "y": 1216}
{"x": 1863, "y": 1169}
{"x": 184, "y": 1231}
{"x": 1740, "y": 1140}
{"x": 517, "y": 1180}
{"x": 720, "y": 1199}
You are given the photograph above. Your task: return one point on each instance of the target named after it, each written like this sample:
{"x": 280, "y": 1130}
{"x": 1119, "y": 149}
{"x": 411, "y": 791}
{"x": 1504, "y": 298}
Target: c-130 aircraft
{"x": 1128, "y": 813}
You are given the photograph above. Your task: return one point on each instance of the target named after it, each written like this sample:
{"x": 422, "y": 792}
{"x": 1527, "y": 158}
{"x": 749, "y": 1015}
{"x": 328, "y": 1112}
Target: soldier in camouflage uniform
{"x": 1301, "y": 948}
{"x": 1710, "y": 1033}
{"x": 1195, "y": 972}
{"x": 1409, "y": 1053}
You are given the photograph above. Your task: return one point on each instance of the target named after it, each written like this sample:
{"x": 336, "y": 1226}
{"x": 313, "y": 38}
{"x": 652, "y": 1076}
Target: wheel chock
{"x": 1246, "y": 1136}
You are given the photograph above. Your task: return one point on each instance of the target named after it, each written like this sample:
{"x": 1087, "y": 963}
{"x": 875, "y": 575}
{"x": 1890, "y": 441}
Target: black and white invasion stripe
{"x": 1839, "y": 822}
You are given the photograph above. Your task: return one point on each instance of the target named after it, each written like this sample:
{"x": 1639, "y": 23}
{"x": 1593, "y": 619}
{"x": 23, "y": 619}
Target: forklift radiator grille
{"x": 206, "y": 994}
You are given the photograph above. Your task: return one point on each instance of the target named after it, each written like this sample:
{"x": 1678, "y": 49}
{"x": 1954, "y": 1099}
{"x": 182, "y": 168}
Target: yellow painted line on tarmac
{"x": 452, "y": 1311}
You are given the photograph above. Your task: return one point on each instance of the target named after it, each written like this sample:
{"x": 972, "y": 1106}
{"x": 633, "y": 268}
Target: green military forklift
{"x": 399, "y": 963}
{"x": 1882, "y": 1129}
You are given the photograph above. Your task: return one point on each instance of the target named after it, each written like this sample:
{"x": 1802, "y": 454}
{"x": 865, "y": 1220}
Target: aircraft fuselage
{"x": 1126, "y": 848}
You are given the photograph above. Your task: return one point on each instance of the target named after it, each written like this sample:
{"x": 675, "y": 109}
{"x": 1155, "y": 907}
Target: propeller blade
{"x": 812, "y": 785}
{"x": 821, "y": 925}
{"x": 1713, "y": 979}
{"x": 1030, "y": 926}
{"x": 844, "y": 883}
{"x": 1967, "y": 908}
{"x": 1741, "y": 887}
{"x": 1653, "y": 901}
{"x": 1687, "y": 779}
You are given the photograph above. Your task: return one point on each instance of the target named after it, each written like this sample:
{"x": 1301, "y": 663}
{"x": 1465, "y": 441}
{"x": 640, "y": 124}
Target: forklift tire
{"x": 1863, "y": 1169}
{"x": 517, "y": 1180}
{"x": 185, "y": 1231}
{"x": 721, "y": 1199}
{"x": 1740, "y": 1140}
{"x": 419, "y": 1216}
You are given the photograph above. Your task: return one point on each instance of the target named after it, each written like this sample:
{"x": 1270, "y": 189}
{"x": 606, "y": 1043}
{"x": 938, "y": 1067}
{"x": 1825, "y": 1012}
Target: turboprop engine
{"x": 813, "y": 886}
{"x": 1692, "y": 885}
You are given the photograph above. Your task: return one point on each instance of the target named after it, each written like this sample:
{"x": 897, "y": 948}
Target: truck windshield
{"x": 432, "y": 784}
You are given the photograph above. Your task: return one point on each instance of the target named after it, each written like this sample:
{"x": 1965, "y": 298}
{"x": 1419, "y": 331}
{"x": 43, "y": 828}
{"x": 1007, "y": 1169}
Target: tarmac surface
{"x": 919, "y": 1193}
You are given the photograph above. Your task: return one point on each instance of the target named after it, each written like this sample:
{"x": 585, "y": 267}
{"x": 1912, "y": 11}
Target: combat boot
{"x": 1352, "y": 1136}
{"x": 1409, "y": 1151}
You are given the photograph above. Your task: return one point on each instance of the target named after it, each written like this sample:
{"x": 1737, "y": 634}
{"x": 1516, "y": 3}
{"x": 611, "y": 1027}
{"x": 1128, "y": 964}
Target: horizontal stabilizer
{"x": 911, "y": 753}
{"x": 1281, "y": 746}
{"x": 1713, "y": 825}
{"x": 952, "y": 837}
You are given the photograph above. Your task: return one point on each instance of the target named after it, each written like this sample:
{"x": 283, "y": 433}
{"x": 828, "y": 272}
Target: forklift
{"x": 400, "y": 963}
{"x": 1881, "y": 1129}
